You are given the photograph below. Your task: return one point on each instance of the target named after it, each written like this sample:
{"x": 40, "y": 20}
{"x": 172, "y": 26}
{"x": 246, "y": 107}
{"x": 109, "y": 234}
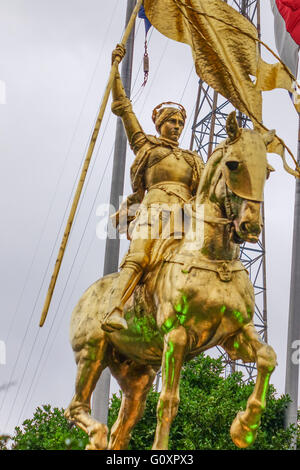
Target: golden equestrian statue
{"x": 177, "y": 297}
{"x": 162, "y": 176}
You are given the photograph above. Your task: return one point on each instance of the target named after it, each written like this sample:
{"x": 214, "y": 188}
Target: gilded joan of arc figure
{"x": 161, "y": 174}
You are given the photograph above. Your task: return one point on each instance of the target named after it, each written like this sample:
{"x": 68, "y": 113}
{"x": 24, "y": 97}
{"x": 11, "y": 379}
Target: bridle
{"x": 228, "y": 220}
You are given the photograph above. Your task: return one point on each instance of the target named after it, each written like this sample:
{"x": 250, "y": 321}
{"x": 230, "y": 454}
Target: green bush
{"x": 47, "y": 430}
{"x": 208, "y": 405}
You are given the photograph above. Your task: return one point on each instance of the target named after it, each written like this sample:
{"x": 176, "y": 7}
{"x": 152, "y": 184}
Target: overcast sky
{"x": 54, "y": 61}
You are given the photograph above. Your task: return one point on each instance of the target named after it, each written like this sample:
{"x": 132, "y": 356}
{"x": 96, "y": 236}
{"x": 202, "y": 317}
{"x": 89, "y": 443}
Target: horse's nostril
{"x": 244, "y": 226}
{"x": 247, "y": 227}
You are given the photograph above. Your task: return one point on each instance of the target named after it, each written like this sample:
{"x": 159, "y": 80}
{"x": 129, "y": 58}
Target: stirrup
{"x": 114, "y": 321}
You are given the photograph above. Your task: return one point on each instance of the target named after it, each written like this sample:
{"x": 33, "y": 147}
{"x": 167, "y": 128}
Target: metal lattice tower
{"x": 209, "y": 128}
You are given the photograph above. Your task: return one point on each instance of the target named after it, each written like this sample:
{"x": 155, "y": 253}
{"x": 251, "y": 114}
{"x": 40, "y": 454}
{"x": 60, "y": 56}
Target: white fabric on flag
{"x": 287, "y": 48}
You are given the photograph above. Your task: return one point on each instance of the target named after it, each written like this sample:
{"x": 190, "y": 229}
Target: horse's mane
{"x": 211, "y": 174}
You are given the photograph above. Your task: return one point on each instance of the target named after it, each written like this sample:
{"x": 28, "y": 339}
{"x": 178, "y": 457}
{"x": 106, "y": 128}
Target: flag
{"x": 148, "y": 25}
{"x": 225, "y": 50}
{"x": 287, "y": 31}
{"x": 290, "y": 12}
{"x": 142, "y": 15}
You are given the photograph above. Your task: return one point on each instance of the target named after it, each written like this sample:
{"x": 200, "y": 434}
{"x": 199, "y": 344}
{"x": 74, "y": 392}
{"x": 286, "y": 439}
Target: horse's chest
{"x": 205, "y": 304}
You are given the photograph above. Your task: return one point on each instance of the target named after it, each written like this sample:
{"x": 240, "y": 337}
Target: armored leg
{"x": 131, "y": 271}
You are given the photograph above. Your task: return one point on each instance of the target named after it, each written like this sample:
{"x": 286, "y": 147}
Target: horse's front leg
{"x": 244, "y": 428}
{"x": 173, "y": 355}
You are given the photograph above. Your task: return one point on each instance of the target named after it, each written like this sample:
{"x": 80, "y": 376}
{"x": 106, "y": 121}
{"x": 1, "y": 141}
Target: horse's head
{"x": 235, "y": 179}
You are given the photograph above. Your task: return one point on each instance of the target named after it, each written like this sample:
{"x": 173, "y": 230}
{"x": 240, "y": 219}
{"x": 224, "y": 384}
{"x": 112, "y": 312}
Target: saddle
{"x": 224, "y": 268}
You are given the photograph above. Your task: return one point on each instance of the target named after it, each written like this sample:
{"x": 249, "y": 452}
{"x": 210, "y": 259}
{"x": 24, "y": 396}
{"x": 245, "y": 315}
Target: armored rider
{"x": 162, "y": 174}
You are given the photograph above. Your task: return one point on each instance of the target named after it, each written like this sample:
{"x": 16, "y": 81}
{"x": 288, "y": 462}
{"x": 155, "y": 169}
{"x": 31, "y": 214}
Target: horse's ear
{"x": 232, "y": 127}
{"x": 268, "y": 137}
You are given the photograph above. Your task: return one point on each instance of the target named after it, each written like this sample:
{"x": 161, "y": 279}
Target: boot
{"x": 123, "y": 288}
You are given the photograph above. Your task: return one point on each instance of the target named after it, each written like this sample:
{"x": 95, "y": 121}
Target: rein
{"x": 228, "y": 208}
{"x": 215, "y": 220}
{"x": 228, "y": 220}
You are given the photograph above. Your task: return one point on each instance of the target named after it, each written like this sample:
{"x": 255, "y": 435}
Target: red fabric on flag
{"x": 290, "y": 12}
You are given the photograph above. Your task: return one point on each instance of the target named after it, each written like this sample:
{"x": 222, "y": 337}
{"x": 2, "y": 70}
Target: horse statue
{"x": 197, "y": 297}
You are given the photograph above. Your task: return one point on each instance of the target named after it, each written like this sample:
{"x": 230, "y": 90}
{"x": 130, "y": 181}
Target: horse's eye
{"x": 232, "y": 165}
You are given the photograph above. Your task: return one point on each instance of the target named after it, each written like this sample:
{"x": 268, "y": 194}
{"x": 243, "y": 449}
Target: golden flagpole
{"x": 86, "y": 166}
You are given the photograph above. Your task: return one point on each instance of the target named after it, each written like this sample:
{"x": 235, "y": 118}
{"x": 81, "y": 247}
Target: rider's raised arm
{"x": 121, "y": 106}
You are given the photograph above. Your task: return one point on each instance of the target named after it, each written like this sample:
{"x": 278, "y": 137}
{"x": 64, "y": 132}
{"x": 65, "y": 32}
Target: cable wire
{"x": 58, "y": 182}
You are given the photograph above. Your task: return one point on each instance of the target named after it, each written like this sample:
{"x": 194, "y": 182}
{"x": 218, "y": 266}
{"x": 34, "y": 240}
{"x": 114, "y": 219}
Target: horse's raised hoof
{"x": 241, "y": 434}
{"x": 114, "y": 322}
{"x": 98, "y": 437}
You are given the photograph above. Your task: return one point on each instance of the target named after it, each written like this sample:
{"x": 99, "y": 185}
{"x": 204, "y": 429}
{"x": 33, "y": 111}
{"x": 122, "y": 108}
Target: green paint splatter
{"x": 236, "y": 345}
{"x": 249, "y": 437}
{"x": 160, "y": 410}
{"x": 222, "y": 309}
{"x": 170, "y": 362}
{"x": 264, "y": 393}
{"x": 142, "y": 324}
{"x": 169, "y": 324}
{"x": 181, "y": 318}
{"x": 238, "y": 316}
{"x": 182, "y": 309}
{"x": 92, "y": 355}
